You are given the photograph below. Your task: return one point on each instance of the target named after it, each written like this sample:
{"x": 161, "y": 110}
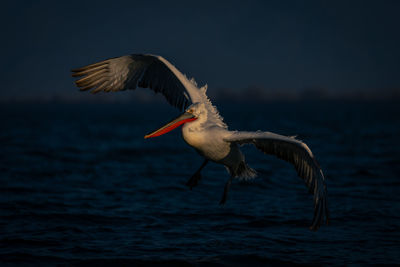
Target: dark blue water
{"x": 80, "y": 185}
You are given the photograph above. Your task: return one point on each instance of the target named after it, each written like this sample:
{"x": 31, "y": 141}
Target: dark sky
{"x": 287, "y": 45}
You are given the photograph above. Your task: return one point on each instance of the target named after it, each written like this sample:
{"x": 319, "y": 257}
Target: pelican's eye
{"x": 190, "y": 110}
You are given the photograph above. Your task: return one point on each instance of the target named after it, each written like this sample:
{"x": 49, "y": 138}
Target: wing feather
{"x": 297, "y": 153}
{"x": 132, "y": 71}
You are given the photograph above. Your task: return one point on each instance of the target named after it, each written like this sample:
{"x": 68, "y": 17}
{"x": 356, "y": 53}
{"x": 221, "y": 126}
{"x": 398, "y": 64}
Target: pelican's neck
{"x": 192, "y": 133}
{"x": 196, "y": 125}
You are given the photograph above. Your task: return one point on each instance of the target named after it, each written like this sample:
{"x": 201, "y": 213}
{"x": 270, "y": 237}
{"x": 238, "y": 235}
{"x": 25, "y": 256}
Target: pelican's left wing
{"x": 132, "y": 71}
{"x": 297, "y": 153}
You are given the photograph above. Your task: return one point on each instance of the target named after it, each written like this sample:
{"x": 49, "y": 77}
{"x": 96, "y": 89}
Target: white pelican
{"x": 202, "y": 126}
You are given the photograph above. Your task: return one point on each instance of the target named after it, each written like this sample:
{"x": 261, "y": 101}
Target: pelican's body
{"x": 209, "y": 142}
{"x": 202, "y": 126}
{"x": 203, "y": 140}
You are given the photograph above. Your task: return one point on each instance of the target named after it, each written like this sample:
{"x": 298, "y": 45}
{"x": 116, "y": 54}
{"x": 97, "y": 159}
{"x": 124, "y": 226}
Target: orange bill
{"x": 182, "y": 119}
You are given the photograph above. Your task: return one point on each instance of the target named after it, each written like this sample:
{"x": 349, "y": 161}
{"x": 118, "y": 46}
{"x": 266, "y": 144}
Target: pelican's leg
{"x": 196, "y": 176}
{"x": 226, "y": 190}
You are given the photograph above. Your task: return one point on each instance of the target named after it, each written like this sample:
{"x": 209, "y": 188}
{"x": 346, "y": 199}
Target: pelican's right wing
{"x": 297, "y": 153}
{"x": 132, "y": 71}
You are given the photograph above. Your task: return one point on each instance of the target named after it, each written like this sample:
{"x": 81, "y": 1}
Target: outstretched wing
{"x": 132, "y": 71}
{"x": 297, "y": 153}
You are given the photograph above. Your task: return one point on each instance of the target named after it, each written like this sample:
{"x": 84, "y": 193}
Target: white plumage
{"x": 203, "y": 127}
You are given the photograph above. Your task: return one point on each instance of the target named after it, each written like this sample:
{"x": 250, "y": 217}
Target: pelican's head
{"x": 192, "y": 113}
{"x": 198, "y": 110}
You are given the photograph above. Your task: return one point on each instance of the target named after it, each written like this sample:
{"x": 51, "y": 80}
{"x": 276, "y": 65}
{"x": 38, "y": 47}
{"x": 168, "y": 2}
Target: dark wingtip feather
{"x": 84, "y": 88}
{"x": 75, "y": 70}
{"x": 76, "y": 74}
{"x": 320, "y": 212}
{"x": 91, "y": 66}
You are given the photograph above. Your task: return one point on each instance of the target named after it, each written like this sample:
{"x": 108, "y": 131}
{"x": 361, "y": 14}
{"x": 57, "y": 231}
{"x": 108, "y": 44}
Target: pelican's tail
{"x": 243, "y": 171}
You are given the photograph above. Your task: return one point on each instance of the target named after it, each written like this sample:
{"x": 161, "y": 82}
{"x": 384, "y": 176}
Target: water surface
{"x": 80, "y": 185}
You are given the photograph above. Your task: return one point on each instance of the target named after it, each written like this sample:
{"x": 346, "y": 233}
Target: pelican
{"x": 202, "y": 126}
